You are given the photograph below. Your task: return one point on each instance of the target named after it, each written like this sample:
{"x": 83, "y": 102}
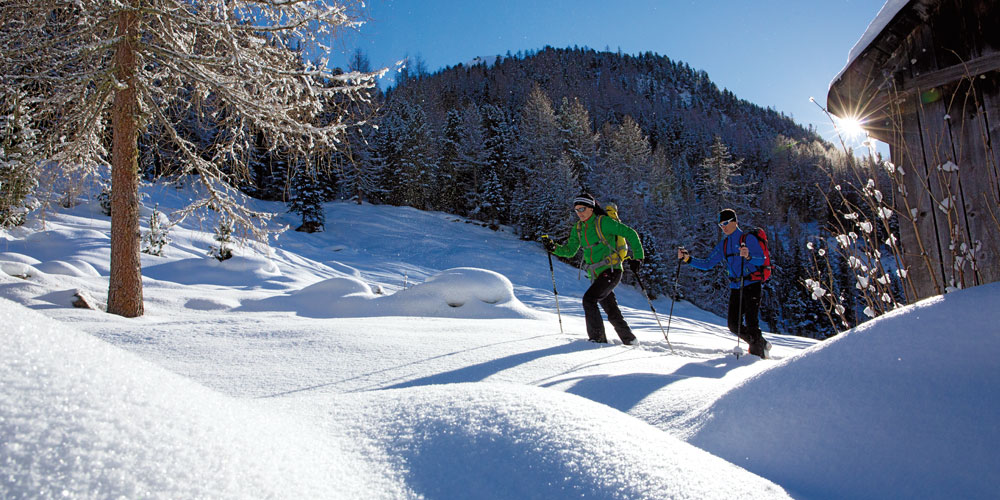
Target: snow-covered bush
{"x": 156, "y": 238}
{"x": 224, "y": 237}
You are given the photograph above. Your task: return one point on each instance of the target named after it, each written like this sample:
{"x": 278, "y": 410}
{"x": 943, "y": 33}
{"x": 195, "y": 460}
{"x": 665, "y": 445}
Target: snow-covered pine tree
{"x": 454, "y": 175}
{"x": 491, "y": 199}
{"x": 553, "y": 188}
{"x": 538, "y": 154}
{"x": 414, "y": 166}
{"x": 499, "y": 138}
{"x": 118, "y": 61}
{"x": 223, "y": 247}
{"x": 307, "y": 197}
{"x": 154, "y": 240}
{"x": 472, "y": 153}
{"x": 357, "y": 166}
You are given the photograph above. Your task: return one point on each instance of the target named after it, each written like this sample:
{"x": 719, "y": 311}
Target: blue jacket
{"x": 729, "y": 249}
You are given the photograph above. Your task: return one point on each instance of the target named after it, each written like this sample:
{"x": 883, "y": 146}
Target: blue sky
{"x": 775, "y": 53}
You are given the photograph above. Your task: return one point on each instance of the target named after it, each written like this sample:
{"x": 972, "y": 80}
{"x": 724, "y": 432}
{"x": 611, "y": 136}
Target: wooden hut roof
{"x": 861, "y": 89}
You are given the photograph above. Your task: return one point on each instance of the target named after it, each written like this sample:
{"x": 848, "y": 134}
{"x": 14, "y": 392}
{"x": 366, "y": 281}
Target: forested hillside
{"x": 510, "y": 141}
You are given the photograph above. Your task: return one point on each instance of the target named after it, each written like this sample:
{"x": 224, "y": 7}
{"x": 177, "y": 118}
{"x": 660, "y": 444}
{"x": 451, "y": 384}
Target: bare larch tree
{"x": 101, "y": 71}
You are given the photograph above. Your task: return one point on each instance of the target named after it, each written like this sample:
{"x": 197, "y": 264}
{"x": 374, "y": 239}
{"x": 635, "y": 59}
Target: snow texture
{"x": 370, "y": 361}
{"x": 83, "y": 419}
{"x": 901, "y": 406}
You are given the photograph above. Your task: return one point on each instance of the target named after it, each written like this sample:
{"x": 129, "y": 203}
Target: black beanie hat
{"x": 586, "y": 200}
{"x": 727, "y": 214}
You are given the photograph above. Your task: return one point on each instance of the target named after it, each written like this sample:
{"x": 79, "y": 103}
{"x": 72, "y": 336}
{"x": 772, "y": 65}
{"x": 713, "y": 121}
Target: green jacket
{"x": 596, "y": 253}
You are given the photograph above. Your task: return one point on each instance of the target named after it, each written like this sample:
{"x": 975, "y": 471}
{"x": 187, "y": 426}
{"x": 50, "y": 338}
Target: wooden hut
{"x": 924, "y": 78}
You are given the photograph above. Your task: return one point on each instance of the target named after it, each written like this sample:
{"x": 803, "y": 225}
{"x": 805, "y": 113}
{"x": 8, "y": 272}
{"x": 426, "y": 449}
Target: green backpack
{"x": 619, "y": 251}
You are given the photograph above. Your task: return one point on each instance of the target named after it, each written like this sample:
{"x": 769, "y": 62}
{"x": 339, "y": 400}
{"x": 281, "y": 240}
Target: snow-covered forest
{"x": 506, "y": 141}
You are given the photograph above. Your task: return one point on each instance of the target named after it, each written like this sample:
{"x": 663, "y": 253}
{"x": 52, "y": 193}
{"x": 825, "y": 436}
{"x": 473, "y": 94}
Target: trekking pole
{"x": 552, "y": 271}
{"x": 673, "y": 298}
{"x": 643, "y": 288}
{"x": 739, "y": 318}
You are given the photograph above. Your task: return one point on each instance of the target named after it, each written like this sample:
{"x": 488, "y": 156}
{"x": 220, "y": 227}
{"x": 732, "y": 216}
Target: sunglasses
{"x": 726, "y": 222}
{"x": 580, "y": 210}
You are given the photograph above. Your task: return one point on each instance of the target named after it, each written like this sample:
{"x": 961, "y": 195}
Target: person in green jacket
{"x": 596, "y": 234}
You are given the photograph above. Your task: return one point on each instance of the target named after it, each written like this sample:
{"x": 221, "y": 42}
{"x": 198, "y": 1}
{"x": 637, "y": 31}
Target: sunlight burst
{"x": 852, "y": 128}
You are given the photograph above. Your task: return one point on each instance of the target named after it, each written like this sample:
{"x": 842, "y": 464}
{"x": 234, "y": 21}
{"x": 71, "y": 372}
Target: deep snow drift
{"x": 81, "y": 418}
{"x": 404, "y": 353}
{"x": 906, "y": 403}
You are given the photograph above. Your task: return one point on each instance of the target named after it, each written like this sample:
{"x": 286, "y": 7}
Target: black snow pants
{"x": 601, "y": 292}
{"x": 747, "y": 327}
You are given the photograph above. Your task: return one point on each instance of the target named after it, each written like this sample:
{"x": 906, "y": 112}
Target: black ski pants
{"x": 747, "y": 327}
{"x": 601, "y": 292}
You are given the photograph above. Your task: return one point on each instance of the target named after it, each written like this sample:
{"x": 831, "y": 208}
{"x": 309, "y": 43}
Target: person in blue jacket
{"x": 746, "y": 259}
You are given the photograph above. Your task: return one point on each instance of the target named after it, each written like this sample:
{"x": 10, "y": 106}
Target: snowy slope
{"x": 407, "y": 353}
{"x": 906, "y": 403}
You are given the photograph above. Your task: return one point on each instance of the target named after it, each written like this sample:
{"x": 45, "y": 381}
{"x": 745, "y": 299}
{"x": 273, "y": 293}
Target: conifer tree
{"x": 450, "y": 168}
{"x": 410, "y": 161}
{"x": 546, "y": 210}
{"x": 499, "y": 142}
{"x": 307, "y": 198}
{"x": 156, "y": 238}
{"x": 491, "y": 198}
{"x": 223, "y": 247}
{"x": 472, "y": 153}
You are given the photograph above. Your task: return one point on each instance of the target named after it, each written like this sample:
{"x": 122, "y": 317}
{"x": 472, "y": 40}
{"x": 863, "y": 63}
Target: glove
{"x": 550, "y": 246}
{"x": 683, "y": 255}
{"x": 634, "y": 265}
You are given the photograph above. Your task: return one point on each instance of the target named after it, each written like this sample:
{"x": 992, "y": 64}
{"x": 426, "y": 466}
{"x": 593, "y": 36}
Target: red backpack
{"x": 764, "y": 273}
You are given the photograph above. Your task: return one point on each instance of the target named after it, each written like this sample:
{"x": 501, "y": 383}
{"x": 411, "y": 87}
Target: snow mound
{"x": 73, "y": 267}
{"x": 18, "y": 269}
{"x": 335, "y": 287}
{"x": 906, "y": 404}
{"x": 455, "y": 293}
{"x": 211, "y": 304}
{"x": 18, "y": 257}
{"x": 60, "y": 243}
{"x": 238, "y": 270}
{"x": 484, "y": 440}
{"x": 82, "y": 419}
{"x": 461, "y": 292}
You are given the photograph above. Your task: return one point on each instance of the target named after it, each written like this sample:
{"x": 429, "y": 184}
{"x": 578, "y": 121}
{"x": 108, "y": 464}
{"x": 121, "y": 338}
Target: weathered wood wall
{"x": 934, "y": 79}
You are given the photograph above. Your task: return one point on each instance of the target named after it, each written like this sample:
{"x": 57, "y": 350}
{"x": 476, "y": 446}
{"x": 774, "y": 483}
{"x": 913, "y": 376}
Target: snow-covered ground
{"x": 403, "y": 354}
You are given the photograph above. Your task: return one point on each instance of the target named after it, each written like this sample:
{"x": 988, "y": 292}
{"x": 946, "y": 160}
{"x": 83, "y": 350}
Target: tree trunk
{"x": 125, "y": 290}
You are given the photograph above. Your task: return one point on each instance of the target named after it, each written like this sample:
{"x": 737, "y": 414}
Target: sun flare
{"x": 851, "y": 128}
